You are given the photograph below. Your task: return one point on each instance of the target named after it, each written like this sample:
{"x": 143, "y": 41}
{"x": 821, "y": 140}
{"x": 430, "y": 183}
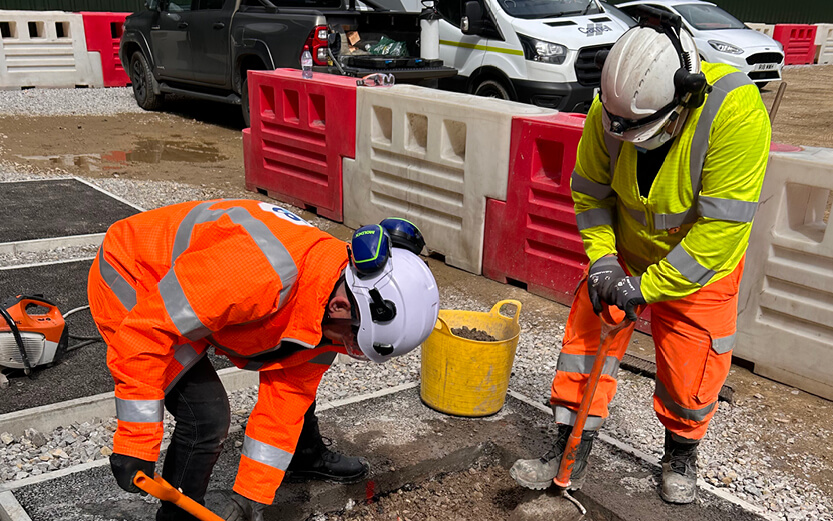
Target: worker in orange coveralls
{"x": 272, "y": 293}
{"x": 668, "y": 175}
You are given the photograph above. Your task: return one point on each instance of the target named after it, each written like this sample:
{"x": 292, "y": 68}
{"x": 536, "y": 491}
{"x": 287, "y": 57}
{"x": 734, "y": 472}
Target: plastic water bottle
{"x": 306, "y": 63}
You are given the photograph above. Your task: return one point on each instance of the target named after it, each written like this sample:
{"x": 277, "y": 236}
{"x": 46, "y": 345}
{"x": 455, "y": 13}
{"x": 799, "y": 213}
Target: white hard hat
{"x": 650, "y": 75}
{"x": 397, "y": 306}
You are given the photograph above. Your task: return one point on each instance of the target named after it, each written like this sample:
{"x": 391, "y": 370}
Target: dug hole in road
{"x": 770, "y": 447}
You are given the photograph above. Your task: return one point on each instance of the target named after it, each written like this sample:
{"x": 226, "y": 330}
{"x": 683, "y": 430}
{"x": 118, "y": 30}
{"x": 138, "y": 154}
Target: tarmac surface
{"x": 406, "y": 444}
{"x": 41, "y": 209}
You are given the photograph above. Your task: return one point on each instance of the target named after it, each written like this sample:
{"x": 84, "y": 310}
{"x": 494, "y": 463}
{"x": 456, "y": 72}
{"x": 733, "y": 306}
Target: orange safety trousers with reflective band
{"x": 241, "y": 275}
{"x": 694, "y": 337}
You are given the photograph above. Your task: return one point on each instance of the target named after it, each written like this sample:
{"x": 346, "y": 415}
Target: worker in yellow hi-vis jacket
{"x": 667, "y": 179}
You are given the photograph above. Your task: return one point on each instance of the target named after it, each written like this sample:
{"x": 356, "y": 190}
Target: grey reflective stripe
{"x": 584, "y": 364}
{"x": 667, "y": 221}
{"x": 275, "y": 252}
{"x": 324, "y": 358}
{"x": 179, "y": 309}
{"x": 688, "y": 267}
{"x": 266, "y": 454}
{"x": 638, "y": 216}
{"x": 565, "y": 416}
{"x": 696, "y": 415}
{"x": 185, "y": 354}
{"x": 613, "y": 146}
{"x": 585, "y": 186}
{"x": 118, "y": 285}
{"x": 140, "y": 411}
{"x": 724, "y": 344}
{"x": 700, "y": 141}
{"x": 727, "y": 209}
{"x": 594, "y": 217}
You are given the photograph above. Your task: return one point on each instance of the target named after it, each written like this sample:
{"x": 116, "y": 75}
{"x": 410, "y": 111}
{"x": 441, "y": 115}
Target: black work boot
{"x": 538, "y": 473}
{"x": 314, "y": 460}
{"x": 679, "y": 469}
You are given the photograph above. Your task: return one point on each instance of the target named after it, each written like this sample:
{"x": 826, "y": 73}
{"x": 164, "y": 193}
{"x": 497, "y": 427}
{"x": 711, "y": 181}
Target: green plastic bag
{"x": 389, "y": 47}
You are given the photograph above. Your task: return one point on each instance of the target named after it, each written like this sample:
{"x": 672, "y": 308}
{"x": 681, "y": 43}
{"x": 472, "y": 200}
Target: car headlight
{"x": 725, "y": 47}
{"x": 541, "y": 51}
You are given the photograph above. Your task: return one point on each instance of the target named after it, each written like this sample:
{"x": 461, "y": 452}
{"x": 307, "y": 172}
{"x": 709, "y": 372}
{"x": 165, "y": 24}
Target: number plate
{"x": 765, "y": 66}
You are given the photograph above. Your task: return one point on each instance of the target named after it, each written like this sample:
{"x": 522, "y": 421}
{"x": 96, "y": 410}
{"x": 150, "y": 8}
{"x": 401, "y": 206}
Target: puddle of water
{"x": 151, "y": 151}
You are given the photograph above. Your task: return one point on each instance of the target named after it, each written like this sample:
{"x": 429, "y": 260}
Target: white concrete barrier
{"x": 767, "y": 29}
{"x": 46, "y": 49}
{"x": 824, "y": 44}
{"x": 432, "y": 157}
{"x": 785, "y": 325}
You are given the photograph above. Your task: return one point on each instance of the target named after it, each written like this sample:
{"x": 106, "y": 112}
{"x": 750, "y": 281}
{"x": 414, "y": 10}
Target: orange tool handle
{"x": 612, "y": 319}
{"x": 159, "y": 488}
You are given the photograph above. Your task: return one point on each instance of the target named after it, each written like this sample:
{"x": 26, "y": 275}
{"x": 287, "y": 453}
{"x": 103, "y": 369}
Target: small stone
{"x": 4, "y": 382}
{"x": 758, "y": 396}
{"x": 7, "y": 438}
{"x": 238, "y": 443}
{"x": 37, "y": 439}
{"x": 106, "y": 451}
{"x": 45, "y": 457}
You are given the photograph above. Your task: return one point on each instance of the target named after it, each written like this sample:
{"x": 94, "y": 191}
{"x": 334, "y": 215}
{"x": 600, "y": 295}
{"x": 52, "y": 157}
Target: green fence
{"x": 775, "y": 11}
{"x": 116, "y": 6}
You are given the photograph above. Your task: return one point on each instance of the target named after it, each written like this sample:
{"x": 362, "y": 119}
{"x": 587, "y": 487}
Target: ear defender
{"x": 369, "y": 249}
{"x": 404, "y": 234}
{"x": 691, "y": 88}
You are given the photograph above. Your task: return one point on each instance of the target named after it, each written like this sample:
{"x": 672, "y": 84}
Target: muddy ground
{"x": 482, "y": 494}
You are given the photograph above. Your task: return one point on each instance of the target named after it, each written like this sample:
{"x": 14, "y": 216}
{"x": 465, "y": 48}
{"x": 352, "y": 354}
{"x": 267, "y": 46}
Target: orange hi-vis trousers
{"x": 694, "y": 337}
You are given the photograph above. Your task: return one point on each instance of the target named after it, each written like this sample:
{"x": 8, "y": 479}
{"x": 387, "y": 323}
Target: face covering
{"x": 666, "y": 134}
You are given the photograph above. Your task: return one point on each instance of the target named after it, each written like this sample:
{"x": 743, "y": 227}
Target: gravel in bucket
{"x": 473, "y": 334}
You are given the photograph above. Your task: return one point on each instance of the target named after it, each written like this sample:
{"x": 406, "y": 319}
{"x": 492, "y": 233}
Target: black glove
{"x": 627, "y": 295}
{"x": 239, "y": 508}
{"x": 125, "y": 469}
{"x": 604, "y": 273}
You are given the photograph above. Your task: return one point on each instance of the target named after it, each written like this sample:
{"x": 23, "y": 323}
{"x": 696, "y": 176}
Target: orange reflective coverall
{"x": 242, "y": 276}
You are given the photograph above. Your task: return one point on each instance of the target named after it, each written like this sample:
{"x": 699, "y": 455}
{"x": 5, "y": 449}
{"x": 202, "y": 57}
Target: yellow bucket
{"x": 468, "y": 377}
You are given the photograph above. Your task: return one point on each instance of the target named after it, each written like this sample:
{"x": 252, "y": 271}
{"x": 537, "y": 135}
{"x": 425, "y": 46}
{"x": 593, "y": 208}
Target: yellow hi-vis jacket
{"x": 693, "y": 228}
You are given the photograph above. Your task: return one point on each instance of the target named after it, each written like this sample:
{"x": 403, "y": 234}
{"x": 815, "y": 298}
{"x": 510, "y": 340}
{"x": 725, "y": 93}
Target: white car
{"x": 722, "y": 38}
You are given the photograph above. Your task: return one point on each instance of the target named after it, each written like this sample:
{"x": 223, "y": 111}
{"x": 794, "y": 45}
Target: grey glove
{"x": 603, "y": 275}
{"x": 627, "y": 295}
{"x": 239, "y": 508}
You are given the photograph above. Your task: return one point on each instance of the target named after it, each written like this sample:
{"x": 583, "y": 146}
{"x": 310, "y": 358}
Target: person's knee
{"x": 214, "y": 422}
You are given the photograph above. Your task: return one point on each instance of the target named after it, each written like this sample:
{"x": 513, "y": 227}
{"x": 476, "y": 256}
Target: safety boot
{"x": 538, "y": 473}
{"x": 679, "y": 469}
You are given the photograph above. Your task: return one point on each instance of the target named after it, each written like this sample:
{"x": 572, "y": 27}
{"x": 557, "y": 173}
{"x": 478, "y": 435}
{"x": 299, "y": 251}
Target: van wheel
{"x": 492, "y": 89}
{"x": 244, "y": 103}
{"x": 142, "y": 80}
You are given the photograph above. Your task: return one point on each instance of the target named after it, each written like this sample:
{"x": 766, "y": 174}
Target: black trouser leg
{"x": 310, "y": 435}
{"x": 200, "y": 407}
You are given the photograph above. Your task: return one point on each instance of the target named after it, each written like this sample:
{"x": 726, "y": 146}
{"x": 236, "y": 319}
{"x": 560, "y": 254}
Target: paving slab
{"x": 82, "y": 372}
{"x": 406, "y": 443}
{"x": 56, "y": 208}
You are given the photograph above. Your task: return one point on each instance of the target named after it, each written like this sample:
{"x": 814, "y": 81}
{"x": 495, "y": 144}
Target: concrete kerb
{"x": 10, "y": 509}
{"x": 48, "y": 417}
{"x": 652, "y": 461}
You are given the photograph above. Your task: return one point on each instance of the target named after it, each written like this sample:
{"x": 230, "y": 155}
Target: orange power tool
{"x": 613, "y": 320}
{"x": 159, "y": 488}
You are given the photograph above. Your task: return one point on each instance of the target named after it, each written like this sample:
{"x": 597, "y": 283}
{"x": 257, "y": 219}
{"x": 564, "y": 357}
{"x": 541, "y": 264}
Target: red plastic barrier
{"x": 103, "y": 32}
{"x": 532, "y": 238}
{"x": 799, "y": 42}
{"x": 301, "y": 129}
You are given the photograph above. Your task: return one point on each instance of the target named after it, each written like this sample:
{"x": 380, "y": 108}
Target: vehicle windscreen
{"x": 708, "y": 17}
{"x": 532, "y": 9}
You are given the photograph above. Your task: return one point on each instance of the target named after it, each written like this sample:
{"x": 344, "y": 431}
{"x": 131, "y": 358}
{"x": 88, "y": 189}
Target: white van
{"x": 534, "y": 51}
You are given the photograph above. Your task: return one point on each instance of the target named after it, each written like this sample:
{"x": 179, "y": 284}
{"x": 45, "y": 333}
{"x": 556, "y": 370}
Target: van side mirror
{"x": 472, "y": 22}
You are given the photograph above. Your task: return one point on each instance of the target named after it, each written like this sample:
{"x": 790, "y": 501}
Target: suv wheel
{"x": 142, "y": 80}
{"x": 492, "y": 89}
{"x": 244, "y": 103}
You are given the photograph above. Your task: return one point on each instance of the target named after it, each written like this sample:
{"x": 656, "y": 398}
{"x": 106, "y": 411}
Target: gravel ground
{"x": 732, "y": 456}
{"x": 59, "y": 102}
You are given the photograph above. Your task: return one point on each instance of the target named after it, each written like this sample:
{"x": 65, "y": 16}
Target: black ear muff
{"x": 691, "y": 88}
